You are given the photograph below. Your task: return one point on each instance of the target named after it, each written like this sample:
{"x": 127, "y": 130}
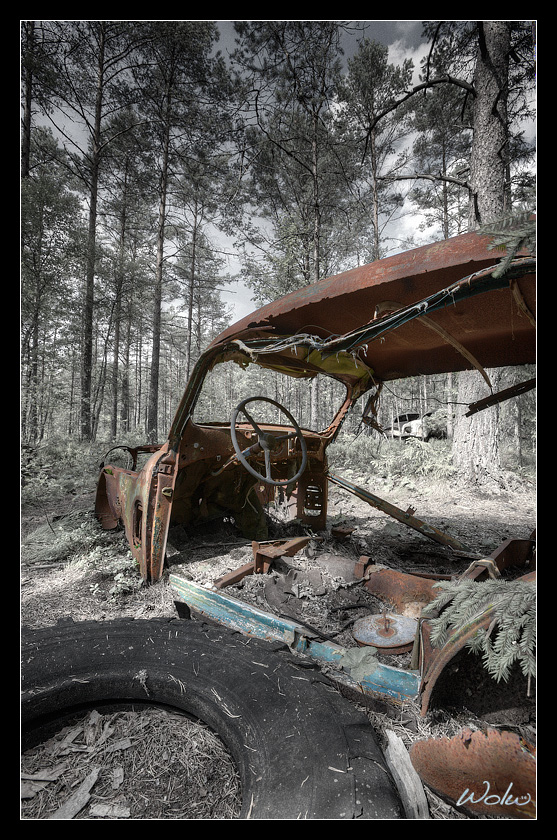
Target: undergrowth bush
{"x": 355, "y": 453}
{"x": 54, "y": 475}
{"x": 58, "y": 467}
{"x": 392, "y": 459}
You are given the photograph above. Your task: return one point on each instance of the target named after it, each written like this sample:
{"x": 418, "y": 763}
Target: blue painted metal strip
{"x": 245, "y": 618}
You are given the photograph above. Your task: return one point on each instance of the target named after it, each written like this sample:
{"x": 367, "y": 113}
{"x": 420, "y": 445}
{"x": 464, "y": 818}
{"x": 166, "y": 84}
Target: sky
{"x": 404, "y": 40}
{"x": 403, "y": 37}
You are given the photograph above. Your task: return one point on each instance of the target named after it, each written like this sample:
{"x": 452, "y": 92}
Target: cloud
{"x": 399, "y": 51}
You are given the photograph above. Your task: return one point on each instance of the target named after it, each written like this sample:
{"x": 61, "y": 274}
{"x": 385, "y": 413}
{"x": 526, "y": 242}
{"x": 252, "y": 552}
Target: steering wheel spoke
{"x": 252, "y": 422}
{"x": 266, "y": 442}
{"x": 290, "y": 436}
{"x": 268, "y": 474}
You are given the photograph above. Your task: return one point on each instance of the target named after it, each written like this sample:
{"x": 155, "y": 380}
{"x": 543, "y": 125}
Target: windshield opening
{"x": 228, "y": 384}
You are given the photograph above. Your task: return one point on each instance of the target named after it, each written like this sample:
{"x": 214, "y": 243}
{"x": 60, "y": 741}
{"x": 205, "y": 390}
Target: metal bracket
{"x": 264, "y": 553}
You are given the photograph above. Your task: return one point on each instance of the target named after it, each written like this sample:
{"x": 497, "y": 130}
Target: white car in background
{"x": 415, "y": 425}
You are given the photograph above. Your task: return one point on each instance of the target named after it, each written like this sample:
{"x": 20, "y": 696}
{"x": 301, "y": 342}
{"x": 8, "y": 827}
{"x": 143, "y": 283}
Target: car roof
{"x": 434, "y": 309}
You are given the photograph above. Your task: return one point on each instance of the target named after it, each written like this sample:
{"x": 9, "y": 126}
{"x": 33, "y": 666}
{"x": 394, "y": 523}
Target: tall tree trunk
{"x": 314, "y": 391}
{"x": 375, "y": 196}
{"x": 191, "y": 292}
{"x": 29, "y": 29}
{"x": 31, "y": 414}
{"x": 71, "y": 397}
{"x": 118, "y": 311}
{"x": 489, "y": 158}
{"x": 475, "y": 440}
{"x": 153, "y": 404}
{"x": 518, "y": 430}
{"x": 449, "y": 400}
{"x": 88, "y": 307}
{"x": 445, "y": 198}
{"x": 125, "y": 408}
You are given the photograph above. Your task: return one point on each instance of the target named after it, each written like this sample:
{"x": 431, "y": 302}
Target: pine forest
{"x": 165, "y": 162}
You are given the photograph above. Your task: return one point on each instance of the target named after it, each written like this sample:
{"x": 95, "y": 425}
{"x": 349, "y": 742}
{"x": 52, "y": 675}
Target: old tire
{"x": 301, "y": 749}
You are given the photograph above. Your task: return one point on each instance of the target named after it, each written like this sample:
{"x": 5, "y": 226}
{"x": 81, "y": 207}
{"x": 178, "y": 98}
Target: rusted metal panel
{"x": 263, "y": 556}
{"x": 501, "y": 396}
{"x": 485, "y": 773}
{"x": 406, "y": 593}
{"x": 406, "y": 277}
{"x": 142, "y": 501}
{"x": 450, "y": 281}
{"x": 511, "y": 552}
{"x": 311, "y": 498}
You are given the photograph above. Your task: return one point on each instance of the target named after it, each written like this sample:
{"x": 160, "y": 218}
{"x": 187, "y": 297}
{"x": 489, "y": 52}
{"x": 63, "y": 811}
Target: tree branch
{"x": 445, "y": 79}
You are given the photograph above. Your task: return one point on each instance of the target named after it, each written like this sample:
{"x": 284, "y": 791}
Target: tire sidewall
{"x": 285, "y": 726}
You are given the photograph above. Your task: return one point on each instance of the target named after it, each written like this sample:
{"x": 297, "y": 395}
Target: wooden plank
{"x": 409, "y": 784}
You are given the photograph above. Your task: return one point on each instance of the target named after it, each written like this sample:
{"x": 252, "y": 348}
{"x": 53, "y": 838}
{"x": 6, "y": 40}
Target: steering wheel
{"x": 266, "y": 443}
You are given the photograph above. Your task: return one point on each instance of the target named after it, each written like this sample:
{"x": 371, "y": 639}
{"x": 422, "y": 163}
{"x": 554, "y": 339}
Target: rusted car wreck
{"x": 302, "y": 750}
{"x": 436, "y": 309}
{"x": 450, "y": 306}
{"x": 442, "y": 307}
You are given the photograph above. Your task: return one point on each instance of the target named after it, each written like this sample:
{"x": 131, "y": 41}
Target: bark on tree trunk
{"x": 475, "y": 440}
{"x": 88, "y": 307}
{"x": 153, "y": 399}
{"x": 29, "y": 29}
{"x": 489, "y": 156}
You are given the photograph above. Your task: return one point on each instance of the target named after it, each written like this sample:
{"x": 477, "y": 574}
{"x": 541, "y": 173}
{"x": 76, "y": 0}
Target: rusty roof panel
{"x": 495, "y": 328}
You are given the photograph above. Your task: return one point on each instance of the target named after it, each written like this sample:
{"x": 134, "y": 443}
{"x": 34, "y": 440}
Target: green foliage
{"x": 511, "y": 636}
{"x": 120, "y": 570}
{"x": 416, "y": 457}
{"x": 57, "y": 468}
{"x": 392, "y": 459}
{"x": 511, "y": 235}
{"x": 355, "y": 453}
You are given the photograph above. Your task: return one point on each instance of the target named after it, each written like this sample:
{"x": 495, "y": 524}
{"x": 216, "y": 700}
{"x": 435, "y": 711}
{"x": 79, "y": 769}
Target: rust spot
{"x": 491, "y": 773}
{"x": 408, "y": 594}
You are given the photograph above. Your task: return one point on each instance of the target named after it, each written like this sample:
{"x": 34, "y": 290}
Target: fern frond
{"x": 512, "y": 634}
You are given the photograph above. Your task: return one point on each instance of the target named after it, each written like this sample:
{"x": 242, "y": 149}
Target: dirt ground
{"x": 158, "y": 768}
